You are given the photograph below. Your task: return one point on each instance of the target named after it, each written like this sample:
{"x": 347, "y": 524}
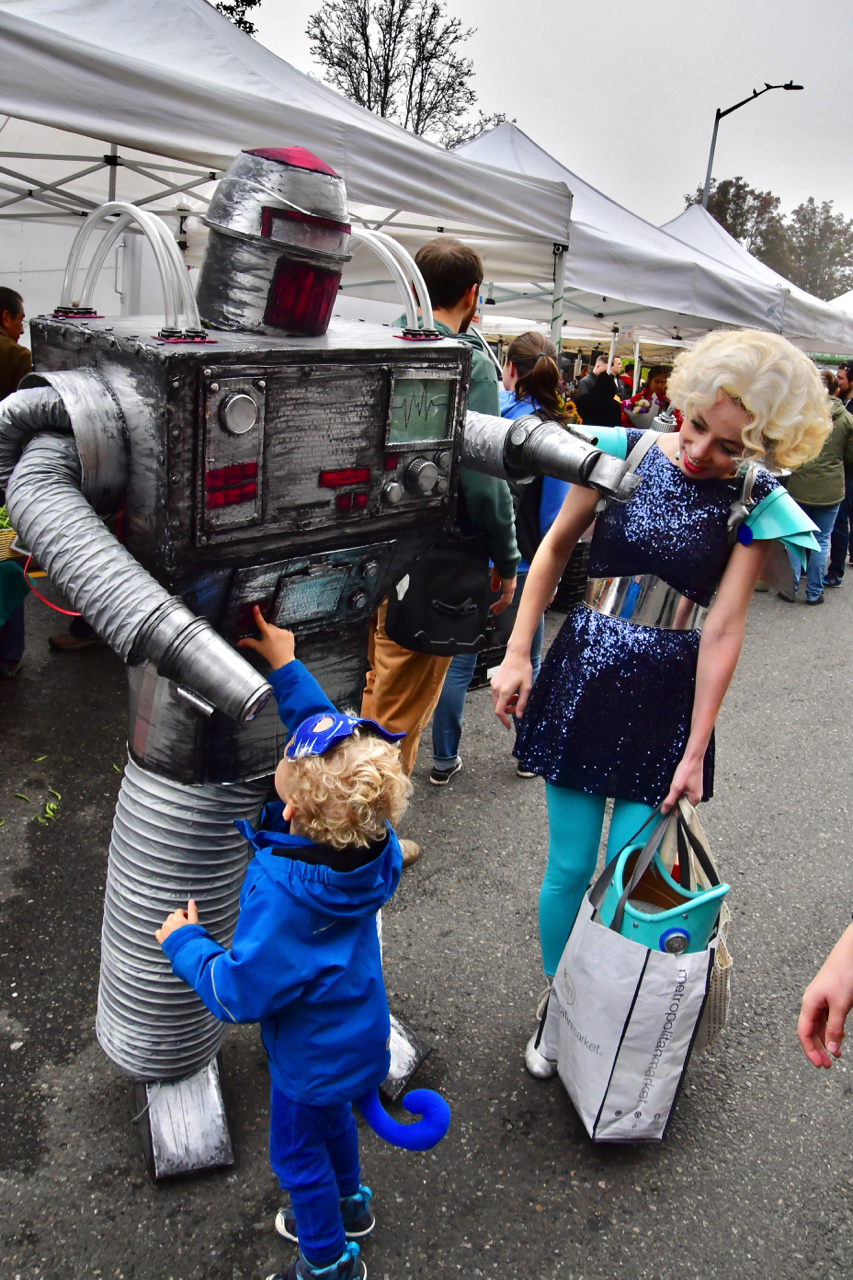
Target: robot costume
{"x": 261, "y": 456}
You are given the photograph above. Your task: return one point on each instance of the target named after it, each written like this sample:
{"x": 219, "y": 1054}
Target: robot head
{"x": 279, "y": 236}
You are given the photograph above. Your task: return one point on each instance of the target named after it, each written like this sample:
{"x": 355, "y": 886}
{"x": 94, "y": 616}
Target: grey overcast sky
{"x": 624, "y": 94}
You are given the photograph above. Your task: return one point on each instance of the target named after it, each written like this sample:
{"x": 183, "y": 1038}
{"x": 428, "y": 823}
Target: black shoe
{"x": 348, "y": 1267}
{"x": 356, "y": 1213}
{"x": 817, "y": 600}
{"x": 441, "y": 777}
{"x": 832, "y": 580}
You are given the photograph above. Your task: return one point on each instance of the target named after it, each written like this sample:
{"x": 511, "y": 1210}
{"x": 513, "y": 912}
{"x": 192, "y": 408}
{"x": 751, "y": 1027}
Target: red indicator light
{"x": 347, "y": 475}
{"x": 391, "y": 462}
{"x": 343, "y": 502}
{"x": 228, "y": 486}
{"x": 301, "y": 297}
{"x": 214, "y": 479}
{"x": 246, "y": 619}
{"x": 249, "y": 470}
{"x": 215, "y": 500}
{"x": 232, "y": 497}
{"x": 248, "y": 492}
{"x": 359, "y": 501}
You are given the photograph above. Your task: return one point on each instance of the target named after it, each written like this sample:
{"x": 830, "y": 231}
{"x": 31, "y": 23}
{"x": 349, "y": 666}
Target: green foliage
{"x": 813, "y": 247}
{"x": 236, "y": 11}
{"x": 4, "y": 519}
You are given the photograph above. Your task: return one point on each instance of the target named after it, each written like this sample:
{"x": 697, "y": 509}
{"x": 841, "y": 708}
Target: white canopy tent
{"x": 175, "y": 80}
{"x": 622, "y": 271}
{"x": 806, "y": 320}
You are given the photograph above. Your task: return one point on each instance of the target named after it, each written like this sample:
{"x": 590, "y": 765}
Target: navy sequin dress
{"x": 610, "y": 712}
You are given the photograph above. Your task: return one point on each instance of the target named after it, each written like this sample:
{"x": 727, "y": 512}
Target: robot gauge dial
{"x": 238, "y": 413}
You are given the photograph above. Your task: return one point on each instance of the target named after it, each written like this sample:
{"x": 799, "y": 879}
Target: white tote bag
{"x": 621, "y": 1024}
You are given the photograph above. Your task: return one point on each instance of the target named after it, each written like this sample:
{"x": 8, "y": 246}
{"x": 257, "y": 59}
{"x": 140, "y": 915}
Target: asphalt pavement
{"x": 754, "y": 1178}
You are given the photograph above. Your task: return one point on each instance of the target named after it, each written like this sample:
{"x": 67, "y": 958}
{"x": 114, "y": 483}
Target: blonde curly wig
{"x": 345, "y": 797}
{"x": 776, "y": 384}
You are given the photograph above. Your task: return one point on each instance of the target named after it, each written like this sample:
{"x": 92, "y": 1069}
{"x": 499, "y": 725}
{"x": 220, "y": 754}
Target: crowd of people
{"x": 618, "y": 708}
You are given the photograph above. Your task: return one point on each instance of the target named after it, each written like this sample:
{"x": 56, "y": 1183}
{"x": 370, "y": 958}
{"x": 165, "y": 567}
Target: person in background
{"x": 844, "y": 378}
{"x": 598, "y": 400}
{"x": 839, "y": 543}
{"x": 642, "y": 409}
{"x": 818, "y": 487}
{"x": 531, "y": 381}
{"x": 402, "y": 687}
{"x": 627, "y": 379}
{"x": 15, "y": 362}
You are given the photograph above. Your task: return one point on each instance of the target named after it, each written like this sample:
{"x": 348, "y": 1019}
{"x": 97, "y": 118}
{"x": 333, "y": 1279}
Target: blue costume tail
{"x": 426, "y": 1133}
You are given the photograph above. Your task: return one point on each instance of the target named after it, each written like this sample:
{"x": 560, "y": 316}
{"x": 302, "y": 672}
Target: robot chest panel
{"x": 301, "y": 448}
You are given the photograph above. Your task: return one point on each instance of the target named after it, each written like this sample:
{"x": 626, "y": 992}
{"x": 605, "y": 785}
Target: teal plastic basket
{"x": 660, "y": 914}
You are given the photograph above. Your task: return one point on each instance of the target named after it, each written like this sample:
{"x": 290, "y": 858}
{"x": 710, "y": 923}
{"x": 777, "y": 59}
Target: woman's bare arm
{"x": 513, "y": 679}
{"x": 719, "y": 650}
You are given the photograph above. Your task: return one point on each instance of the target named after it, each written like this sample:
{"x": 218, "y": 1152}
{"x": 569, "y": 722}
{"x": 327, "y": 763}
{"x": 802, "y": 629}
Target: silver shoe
{"x": 540, "y": 1067}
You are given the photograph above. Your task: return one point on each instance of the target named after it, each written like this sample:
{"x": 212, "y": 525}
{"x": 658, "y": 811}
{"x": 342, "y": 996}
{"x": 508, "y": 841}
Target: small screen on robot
{"x": 420, "y": 409}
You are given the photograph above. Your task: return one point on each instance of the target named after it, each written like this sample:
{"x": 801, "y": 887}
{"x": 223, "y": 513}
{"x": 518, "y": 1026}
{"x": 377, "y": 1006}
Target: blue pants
{"x": 575, "y": 821}
{"x": 824, "y": 518}
{"x": 12, "y": 637}
{"x": 314, "y": 1155}
{"x": 447, "y": 718}
{"x": 840, "y": 541}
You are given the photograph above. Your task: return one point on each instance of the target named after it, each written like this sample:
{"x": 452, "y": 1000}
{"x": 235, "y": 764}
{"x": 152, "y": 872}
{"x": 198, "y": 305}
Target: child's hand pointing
{"x": 275, "y": 644}
{"x": 177, "y": 920}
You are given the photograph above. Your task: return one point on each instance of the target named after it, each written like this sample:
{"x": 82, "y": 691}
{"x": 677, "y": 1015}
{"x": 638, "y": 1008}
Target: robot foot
{"x": 183, "y": 1125}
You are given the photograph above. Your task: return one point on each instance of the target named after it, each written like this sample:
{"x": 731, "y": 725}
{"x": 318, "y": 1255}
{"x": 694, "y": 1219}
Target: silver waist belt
{"x": 646, "y": 601}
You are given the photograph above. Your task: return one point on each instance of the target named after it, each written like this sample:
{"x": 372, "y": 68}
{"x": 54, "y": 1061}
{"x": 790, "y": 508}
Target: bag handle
{"x": 698, "y": 850}
{"x": 641, "y": 866}
{"x": 598, "y": 890}
{"x": 596, "y": 895}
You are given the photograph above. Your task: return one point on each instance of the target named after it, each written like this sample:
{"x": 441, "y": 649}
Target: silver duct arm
{"x": 137, "y": 617}
{"x": 523, "y": 448}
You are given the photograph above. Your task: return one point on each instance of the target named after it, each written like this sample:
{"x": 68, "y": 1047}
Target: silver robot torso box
{"x": 298, "y": 474}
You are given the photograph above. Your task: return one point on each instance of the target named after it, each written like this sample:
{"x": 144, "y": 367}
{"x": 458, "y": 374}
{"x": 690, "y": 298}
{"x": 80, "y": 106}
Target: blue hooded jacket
{"x": 305, "y": 959}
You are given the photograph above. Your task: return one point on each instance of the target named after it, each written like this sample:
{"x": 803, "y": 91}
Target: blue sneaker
{"x": 355, "y": 1211}
{"x": 348, "y": 1267}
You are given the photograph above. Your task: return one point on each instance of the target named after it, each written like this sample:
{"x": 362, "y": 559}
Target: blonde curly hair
{"x": 777, "y": 385}
{"x": 344, "y": 797}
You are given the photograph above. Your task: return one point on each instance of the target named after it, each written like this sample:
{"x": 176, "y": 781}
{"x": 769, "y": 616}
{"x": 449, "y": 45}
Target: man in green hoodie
{"x": 402, "y": 687}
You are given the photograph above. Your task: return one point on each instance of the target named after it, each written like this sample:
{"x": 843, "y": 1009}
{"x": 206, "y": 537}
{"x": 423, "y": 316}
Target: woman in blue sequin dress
{"x": 623, "y": 708}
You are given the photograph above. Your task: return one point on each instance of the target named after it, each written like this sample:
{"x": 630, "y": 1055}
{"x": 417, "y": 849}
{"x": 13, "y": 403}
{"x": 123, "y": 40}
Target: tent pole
{"x": 557, "y": 295}
{"x": 111, "y": 184}
{"x": 636, "y": 366}
{"x": 614, "y": 335}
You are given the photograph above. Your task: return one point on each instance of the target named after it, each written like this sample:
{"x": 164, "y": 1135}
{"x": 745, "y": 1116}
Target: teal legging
{"x": 575, "y": 820}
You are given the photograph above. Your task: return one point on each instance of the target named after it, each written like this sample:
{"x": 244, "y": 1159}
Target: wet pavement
{"x": 755, "y": 1176}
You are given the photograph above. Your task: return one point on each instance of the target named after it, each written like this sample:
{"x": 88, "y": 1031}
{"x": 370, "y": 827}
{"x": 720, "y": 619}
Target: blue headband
{"x": 314, "y": 736}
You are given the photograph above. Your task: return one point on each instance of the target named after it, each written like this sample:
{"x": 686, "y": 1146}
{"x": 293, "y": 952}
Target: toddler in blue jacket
{"x": 305, "y": 960}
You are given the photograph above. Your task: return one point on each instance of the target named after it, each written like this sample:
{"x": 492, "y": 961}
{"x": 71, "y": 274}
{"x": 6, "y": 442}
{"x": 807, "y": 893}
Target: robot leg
{"x": 170, "y": 842}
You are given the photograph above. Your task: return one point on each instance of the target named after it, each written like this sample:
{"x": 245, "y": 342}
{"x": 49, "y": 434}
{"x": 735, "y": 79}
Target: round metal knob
{"x": 443, "y": 460}
{"x": 238, "y": 413}
{"x": 441, "y": 485}
{"x": 370, "y": 570}
{"x": 421, "y": 476}
{"x": 359, "y": 600}
{"x": 392, "y": 492}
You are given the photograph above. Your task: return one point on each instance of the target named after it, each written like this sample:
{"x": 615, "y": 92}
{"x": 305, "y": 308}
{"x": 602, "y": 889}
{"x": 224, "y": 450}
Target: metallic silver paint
{"x": 646, "y": 601}
{"x": 169, "y": 843}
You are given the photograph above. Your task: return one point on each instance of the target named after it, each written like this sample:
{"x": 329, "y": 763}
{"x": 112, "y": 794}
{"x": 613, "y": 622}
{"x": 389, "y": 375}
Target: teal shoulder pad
{"x": 612, "y": 440}
{"x": 779, "y": 517}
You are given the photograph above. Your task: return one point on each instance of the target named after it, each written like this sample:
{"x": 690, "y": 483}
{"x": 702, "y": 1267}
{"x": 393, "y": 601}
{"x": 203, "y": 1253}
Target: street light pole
{"x": 756, "y": 93}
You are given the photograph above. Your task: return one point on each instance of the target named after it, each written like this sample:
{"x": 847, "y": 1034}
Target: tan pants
{"x": 402, "y": 687}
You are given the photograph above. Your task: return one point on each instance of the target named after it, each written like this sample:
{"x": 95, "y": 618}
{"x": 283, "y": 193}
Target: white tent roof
{"x": 621, "y": 269}
{"x": 805, "y": 319}
{"x": 174, "y": 78}
{"x": 844, "y": 301}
